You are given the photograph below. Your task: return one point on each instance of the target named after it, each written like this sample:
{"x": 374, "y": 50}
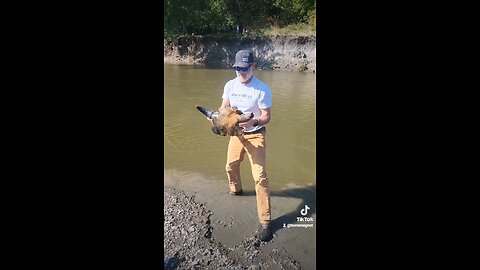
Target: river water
{"x": 194, "y": 157}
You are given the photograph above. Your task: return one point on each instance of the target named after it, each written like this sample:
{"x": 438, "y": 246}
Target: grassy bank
{"x": 293, "y": 30}
{"x": 299, "y": 29}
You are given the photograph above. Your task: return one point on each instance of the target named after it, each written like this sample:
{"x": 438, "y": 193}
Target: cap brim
{"x": 241, "y": 64}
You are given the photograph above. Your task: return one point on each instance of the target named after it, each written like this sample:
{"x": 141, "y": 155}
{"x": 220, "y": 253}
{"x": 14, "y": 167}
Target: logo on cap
{"x": 245, "y": 59}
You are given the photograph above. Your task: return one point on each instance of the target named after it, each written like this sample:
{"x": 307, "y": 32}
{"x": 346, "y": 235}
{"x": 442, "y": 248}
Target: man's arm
{"x": 265, "y": 117}
{"x": 262, "y": 120}
{"x": 225, "y": 103}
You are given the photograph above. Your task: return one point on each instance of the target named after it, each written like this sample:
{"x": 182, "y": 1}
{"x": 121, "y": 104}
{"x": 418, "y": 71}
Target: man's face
{"x": 246, "y": 75}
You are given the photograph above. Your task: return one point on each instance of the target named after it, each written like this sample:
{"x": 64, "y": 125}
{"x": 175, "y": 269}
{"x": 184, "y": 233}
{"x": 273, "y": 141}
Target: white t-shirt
{"x": 251, "y": 97}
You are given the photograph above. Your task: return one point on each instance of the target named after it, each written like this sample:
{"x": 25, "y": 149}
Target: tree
{"x": 211, "y": 16}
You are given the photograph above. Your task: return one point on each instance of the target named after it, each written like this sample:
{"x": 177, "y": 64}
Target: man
{"x": 249, "y": 94}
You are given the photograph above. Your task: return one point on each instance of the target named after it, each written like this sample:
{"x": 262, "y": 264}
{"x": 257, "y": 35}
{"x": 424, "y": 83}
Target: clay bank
{"x": 282, "y": 53}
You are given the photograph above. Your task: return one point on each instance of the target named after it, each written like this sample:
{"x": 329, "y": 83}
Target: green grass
{"x": 300, "y": 29}
{"x": 295, "y": 30}
{"x": 302, "y": 68}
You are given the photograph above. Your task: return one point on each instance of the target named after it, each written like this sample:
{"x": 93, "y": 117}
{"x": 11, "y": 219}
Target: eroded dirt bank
{"x": 272, "y": 53}
{"x": 189, "y": 244}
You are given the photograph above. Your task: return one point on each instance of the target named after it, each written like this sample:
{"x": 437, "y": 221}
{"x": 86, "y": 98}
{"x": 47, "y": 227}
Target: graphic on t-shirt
{"x": 241, "y": 95}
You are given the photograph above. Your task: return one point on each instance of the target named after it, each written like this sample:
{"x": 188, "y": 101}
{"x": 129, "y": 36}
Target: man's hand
{"x": 210, "y": 120}
{"x": 247, "y": 124}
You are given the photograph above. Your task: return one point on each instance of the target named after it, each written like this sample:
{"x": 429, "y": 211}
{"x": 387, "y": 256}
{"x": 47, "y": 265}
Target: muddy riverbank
{"x": 189, "y": 242}
{"x": 294, "y": 53}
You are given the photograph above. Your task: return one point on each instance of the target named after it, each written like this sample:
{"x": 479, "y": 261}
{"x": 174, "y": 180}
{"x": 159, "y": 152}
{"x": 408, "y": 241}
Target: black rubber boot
{"x": 265, "y": 232}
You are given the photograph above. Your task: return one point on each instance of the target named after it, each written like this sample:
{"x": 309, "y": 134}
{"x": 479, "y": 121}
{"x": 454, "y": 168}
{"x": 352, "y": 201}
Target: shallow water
{"x": 194, "y": 157}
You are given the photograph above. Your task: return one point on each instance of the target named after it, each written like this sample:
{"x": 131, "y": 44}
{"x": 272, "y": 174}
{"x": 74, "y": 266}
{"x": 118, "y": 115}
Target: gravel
{"x": 189, "y": 241}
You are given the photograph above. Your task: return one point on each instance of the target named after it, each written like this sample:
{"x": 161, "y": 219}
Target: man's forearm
{"x": 225, "y": 103}
{"x": 263, "y": 120}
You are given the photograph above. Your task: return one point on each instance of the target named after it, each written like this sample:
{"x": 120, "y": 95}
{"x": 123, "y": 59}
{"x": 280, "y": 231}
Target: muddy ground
{"x": 189, "y": 241}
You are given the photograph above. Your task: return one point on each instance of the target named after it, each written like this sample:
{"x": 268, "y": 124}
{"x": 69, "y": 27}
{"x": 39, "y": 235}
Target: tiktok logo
{"x": 304, "y": 211}
{"x": 301, "y": 220}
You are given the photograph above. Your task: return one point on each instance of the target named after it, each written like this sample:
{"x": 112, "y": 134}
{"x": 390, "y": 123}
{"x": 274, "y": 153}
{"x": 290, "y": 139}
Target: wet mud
{"x": 189, "y": 241}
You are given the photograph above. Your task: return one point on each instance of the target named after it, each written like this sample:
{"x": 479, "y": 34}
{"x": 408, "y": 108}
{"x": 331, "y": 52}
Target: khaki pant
{"x": 254, "y": 146}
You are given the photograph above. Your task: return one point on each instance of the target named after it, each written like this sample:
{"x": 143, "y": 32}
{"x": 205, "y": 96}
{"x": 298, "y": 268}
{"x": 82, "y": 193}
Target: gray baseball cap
{"x": 243, "y": 58}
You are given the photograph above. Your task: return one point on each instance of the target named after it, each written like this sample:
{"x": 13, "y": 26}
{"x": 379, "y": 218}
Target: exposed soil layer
{"x": 271, "y": 53}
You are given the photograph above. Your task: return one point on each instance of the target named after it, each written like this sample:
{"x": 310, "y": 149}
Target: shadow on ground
{"x": 306, "y": 194}
{"x": 171, "y": 263}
